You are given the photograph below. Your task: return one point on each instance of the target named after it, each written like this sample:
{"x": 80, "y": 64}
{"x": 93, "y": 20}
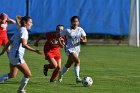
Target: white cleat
{"x": 60, "y": 77}
{"x": 21, "y": 91}
{"x": 78, "y": 80}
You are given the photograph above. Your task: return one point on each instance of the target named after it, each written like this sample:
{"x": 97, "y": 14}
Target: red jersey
{"x": 3, "y": 30}
{"x": 52, "y": 43}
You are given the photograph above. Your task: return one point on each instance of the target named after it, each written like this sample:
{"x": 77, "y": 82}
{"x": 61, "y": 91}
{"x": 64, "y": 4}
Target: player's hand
{"x": 61, "y": 42}
{"x": 83, "y": 39}
{"x": 39, "y": 52}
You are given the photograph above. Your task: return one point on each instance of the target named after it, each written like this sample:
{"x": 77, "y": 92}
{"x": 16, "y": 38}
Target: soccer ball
{"x": 87, "y": 81}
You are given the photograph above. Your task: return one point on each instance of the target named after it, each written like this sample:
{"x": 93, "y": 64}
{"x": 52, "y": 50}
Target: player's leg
{"x": 76, "y": 66}
{"x": 13, "y": 71}
{"x": 56, "y": 71}
{"x": 52, "y": 64}
{"x": 12, "y": 74}
{"x": 66, "y": 67}
{"x": 27, "y": 74}
{"x": 5, "y": 41}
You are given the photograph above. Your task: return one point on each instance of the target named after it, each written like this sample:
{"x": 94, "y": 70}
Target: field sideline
{"x": 115, "y": 69}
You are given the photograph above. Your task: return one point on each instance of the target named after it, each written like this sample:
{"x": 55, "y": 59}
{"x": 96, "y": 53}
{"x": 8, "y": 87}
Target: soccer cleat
{"x": 60, "y": 77}
{"x": 21, "y": 91}
{"x": 45, "y": 71}
{"x": 52, "y": 81}
{"x": 78, "y": 80}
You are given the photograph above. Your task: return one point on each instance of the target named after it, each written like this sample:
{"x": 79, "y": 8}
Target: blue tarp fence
{"x": 96, "y": 16}
{"x": 13, "y": 8}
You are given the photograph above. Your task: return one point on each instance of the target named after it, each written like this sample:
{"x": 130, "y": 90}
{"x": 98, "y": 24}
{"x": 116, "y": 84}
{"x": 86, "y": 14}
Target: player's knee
{"x": 28, "y": 75}
{"x": 54, "y": 66}
{"x": 77, "y": 63}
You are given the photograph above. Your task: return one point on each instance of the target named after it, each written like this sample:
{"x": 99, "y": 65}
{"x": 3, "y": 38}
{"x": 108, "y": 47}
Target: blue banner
{"x": 96, "y": 16}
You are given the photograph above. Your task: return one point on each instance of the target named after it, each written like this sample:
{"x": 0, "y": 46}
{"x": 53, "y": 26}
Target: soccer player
{"x": 74, "y": 35}
{"x": 4, "y": 21}
{"x": 16, "y": 54}
{"x": 52, "y": 52}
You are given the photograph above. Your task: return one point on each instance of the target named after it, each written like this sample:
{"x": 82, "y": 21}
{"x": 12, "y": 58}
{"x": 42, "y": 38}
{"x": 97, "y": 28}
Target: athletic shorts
{"x": 55, "y": 55}
{"x": 3, "y": 41}
{"x": 72, "y": 50}
{"x": 16, "y": 61}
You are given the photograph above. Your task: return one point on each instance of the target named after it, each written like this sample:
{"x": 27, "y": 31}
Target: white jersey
{"x": 73, "y": 38}
{"x": 17, "y": 51}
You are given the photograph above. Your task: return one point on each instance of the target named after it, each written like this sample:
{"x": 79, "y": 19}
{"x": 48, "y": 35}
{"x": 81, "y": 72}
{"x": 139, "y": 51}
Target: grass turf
{"x": 115, "y": 69}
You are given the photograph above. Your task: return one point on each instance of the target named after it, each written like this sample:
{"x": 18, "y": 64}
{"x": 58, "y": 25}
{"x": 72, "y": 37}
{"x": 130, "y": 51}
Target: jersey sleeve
{"x": 83, "y": 34}
{"x": 24, "y": 34}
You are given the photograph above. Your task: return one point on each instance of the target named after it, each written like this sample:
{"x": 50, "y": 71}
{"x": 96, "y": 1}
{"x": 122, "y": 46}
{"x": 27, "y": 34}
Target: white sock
{"x": 23, "y": 83}
{"x": 4, "y": 77}
{"x": 77, "y": 70}
{"x": 64, "y": 70}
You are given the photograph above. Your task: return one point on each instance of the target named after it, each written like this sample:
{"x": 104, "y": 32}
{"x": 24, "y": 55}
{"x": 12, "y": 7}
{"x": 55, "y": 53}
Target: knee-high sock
{"x": 23, "y": 83}
{"x": 77, "y": 71}
{"x": 64, "y": 70}
{"x": 4, "y": 77}
{"x": 55, "y": 74}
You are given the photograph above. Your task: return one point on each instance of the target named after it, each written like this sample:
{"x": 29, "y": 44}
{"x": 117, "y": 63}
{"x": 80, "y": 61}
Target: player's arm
{"x": 11, "y": 21}
{"x": 83, "y": 36}
{"x": 25, "y": 45}
{"x": 6, "y": 47}
{"x": 61, "y": 42}
{"x": 83, "y": 39}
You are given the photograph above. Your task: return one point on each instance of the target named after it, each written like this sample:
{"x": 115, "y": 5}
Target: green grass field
{"x": 115, "y": 69}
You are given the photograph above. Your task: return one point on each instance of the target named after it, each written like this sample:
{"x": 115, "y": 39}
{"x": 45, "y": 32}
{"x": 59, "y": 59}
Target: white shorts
{"x": 72, "y": 50}
{"x": 16, "y": 61}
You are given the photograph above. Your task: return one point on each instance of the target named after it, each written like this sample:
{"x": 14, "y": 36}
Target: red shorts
{"x": 54, "y": 54}
{"x": 3, "y": 41}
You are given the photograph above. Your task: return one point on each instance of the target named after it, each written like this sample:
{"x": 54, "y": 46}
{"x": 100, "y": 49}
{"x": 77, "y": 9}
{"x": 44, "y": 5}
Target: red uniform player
{"x": 52, "y": 52}
{"x": 4, "y": 21}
